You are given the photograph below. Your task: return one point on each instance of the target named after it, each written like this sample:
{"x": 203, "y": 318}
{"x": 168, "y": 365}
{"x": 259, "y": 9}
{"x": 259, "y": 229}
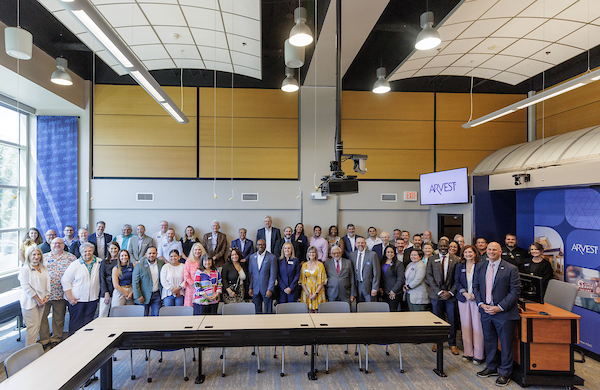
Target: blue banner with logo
{"x": 567, "y": 223}
{"x": 56, "y": 201}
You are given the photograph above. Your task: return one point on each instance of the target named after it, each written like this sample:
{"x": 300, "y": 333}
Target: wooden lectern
{"x": 543, "y": 349}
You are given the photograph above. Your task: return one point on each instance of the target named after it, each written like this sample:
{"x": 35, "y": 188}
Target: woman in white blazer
{"x": 415, "y": 286}
{"x": 35, "y": 291}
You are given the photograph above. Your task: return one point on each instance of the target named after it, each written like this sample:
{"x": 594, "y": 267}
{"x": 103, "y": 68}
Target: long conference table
{"x": 72, "y": 362}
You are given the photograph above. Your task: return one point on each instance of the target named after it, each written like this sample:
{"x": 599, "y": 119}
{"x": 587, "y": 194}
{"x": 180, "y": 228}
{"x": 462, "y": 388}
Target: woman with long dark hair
{"x": 392, "y": 278}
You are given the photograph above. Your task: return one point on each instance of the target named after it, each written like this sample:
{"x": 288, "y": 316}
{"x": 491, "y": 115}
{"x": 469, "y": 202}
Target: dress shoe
{"x": 434, "y": 348}
{"x": 502, "y": 381}
{"x": 454, "y": 350}
{"x": 477, "y": 361}
{"x": 487, "y": 372}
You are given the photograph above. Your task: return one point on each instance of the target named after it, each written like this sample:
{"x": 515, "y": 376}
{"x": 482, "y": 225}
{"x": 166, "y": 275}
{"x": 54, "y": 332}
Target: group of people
{"x": 479, "y": 283}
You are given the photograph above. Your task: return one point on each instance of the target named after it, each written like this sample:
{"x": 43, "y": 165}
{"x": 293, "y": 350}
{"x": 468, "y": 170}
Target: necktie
{"x": 360, "y": 267}
{"x": 443, "y": 268}
{"x": 337, "y": 266}
{"x": 489, "y": 284}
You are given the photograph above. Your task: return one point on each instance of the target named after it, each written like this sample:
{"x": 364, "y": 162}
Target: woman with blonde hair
{"x": 313, "y": 279}
{"x": 189, "y": 272}
{"x": 35, "y": 291}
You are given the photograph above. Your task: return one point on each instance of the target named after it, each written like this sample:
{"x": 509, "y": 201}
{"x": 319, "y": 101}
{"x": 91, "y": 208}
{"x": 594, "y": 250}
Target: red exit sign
{"x": 410, "y": 196}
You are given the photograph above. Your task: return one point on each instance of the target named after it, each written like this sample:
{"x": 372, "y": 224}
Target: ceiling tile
{"x": 91, "y": 42}
{"x": 70, "y": 22}
{"x": 51, "y": 5}
{"x": 456, "y": 71}
{"x": 472, "y": 60}
{"x": 212, "y": 54}
{"x": 553, "y": 30}
{"x": 483, "y": 28}
{"x": 246, "y": 60}
{"x": 429, "y": 53}
{"x": 248, "y": 72}
{"x": 518, "y": 27}
{"x": 120, "y": 15}
{"x": 138, "y": 35}
{"x": 98, "y": 2}
{"x": 450, "y": 32}
{"x": 242, "y": 26}
{"x": 546, "y": 8}
{"x": 167, "y": 35}
{"x": 150, "y": 52}
{"x": 506, "y": 8}
{"x": 509, "y": 78}
{"x": 402, "y": 75}
{"x": 163, "y": 14}
{"x": 524, "y": 48}
{"x": 484, "y": 73}
{"x": 189, "y": 51}
{"x": 159, "y": 64}
{"x": 529, "y": 67}
{"x": 556, "y": 53}
{"x": 189, "y": 64}
{"x": 501, "y": 62}
{"x": 107, "y": 58}
{"x": 158, "y": 1}
{"x": 210, "y": 4}
{"x": 582, "y": 11}
{"x": 247, "y": 8}
{"x": 415, "y": 64}
{"x": 429, "y": 72}
{"x": 244, "y": 44}
{"x": 586, "y": 37}
{"x": 460, "y": 46}
{"x": 203, "y": 18}
{"x": 222, "y": 66}
{"x": 209, "y": 38}
{"x": 443, "y": 60}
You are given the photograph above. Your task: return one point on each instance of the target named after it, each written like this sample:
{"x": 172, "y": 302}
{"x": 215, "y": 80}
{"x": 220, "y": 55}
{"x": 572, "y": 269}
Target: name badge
{"x": 368, "y": 263}
{"x": 526, "y": 265}
{"x": 504, "y": 253}
{"x": 290, "y": 262}
{"x": 464, "y": 270}
{"x": 501, "y": 267}
{"x": 437, "y": 260}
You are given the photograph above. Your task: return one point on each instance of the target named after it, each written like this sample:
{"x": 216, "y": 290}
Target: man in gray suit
{"x": 263, "y": 274}
{"x": 340, "y": 277}
{"x": 140, "y": 243}
{"x": 442, "y": 290}
{"x": 366, "y": 266}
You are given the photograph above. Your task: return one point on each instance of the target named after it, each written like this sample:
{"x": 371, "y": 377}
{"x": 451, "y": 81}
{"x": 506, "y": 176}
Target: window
{"x": 13, "y": 186}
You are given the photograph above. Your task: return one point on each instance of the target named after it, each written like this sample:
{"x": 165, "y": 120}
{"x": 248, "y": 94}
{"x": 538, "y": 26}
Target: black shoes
{"x": 487, "y": 373}
{"x": 502, "y": 381}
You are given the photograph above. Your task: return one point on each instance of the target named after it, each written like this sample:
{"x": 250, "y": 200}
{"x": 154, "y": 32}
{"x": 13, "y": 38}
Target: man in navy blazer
{"x": 263, "y": 274}
{"x": 245, "y": 246}
{"x": 100, "y": 237}
{"x": 269, "y": 233}
{"x": 497, "y": 286}
{"x": 349, "y": 240}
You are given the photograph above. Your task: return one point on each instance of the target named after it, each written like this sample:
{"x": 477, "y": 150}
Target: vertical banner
{"x": 57, "y": 173}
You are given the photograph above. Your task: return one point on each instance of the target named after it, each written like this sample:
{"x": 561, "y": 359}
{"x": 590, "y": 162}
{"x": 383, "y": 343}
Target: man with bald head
{"x": 496, "y": 286}
{"x": 368, "y": 271}
{"x": 56, "y": 261}
{"x": 45, "y": 246}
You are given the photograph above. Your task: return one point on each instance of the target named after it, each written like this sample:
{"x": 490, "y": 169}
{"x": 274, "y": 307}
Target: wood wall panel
{"x": 457, "y": 106}
{"x": 496, "y": 135}
{"x": 392, "y": 105}
{"x": 255, "y": 163}
{"x": 249, "y": 103}
{"x": 134, "y": 100}
{"x": 387, "y": 134}
{"x": 392, "y": 164}
{"x": 452, "y": 159}
{"x": 138, "y": 130}
{"x": 249, "y": 132}
{"x": 144, "y": 161}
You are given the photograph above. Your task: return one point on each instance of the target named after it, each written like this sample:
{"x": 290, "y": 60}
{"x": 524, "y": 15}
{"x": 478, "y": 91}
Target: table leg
{"x": 200, "y": 378}
{"x": 440, "y": 361}
{"x": 312, "y": 375}
{"x": 106, "y": 375}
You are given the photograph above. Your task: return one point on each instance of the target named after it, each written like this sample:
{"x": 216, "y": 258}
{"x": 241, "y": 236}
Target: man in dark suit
{"x": 368, "y": 272}
{"x": 417, "y": 244}
{"x": 269, "y": 233}
{"x": 45, "y": 246}
{"x": 340, "y": 277}
{"x": 215, "y": 244}
{"x": 497, "y": 286}
{"x": 263, "y": 273}
{"x": 349, "y": 241}
{"x": 101, "y": 240}
{"x": 245, "y": 246}
{"x": 287, "y": 237}
{"x": 82, "y": 237}
{"x": 442, "y": 290}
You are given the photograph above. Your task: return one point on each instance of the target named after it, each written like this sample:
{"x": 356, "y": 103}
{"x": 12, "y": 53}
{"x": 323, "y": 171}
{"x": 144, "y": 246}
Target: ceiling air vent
{"x": 250, "y": 197}
{"x": 389, "y": 197}
{"x": 144, "y": 197}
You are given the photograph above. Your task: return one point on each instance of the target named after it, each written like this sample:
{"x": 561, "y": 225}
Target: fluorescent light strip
{"x": 173, "y": 113}
{"x": 101, "y": 36}
{"x": 541, "y": 99}
{"x": 492, "y": 118}
{"x": 147, "y": 86}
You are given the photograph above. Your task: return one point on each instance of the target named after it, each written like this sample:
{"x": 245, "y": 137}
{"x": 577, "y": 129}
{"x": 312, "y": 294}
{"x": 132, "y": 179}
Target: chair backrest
{"x": 176, "y": 311}
{"x": 22, "y": 357}
{"x": 127, "y": 311}
{"x": 372, "y": 307}
{"x": 291, "y": 308}
{"x": 334, "y": 307}
{"x": 561, "y": 294}
{"x": 241, "y": 308}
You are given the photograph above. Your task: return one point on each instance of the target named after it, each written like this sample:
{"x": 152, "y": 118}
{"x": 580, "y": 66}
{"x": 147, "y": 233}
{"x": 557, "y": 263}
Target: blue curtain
{"x": 57, "y": 173}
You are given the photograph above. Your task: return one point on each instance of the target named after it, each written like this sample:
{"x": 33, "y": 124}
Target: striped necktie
{"x": 489, "y": 284}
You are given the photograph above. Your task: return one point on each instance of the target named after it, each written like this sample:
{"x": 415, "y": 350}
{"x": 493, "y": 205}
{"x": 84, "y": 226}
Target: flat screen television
{"x": 445, "y": 187}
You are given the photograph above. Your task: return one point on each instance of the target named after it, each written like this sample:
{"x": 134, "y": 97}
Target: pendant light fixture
{"x": 381, "y": 85}
{"x": 293, "y": 55}
{"x": 428, "y": 38}
{"x": 60, "y": 75}
{"x": 300, "y": 35}
{"x": 17, "y": 41}
{"x": 290, "y": 84}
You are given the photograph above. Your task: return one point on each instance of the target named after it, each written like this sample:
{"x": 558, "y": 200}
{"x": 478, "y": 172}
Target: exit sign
{"x": 410, "y": 196}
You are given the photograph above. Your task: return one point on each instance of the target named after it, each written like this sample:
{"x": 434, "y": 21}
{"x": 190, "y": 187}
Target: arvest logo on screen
{"x": 443, "y": 187}
{"x": 585, "y": 249}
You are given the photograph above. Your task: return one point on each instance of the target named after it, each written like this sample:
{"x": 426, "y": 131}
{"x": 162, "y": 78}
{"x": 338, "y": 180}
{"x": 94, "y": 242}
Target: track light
{"x": 381, "y": 85}
{"x": 428, "y": 38}
{"x": 300, "y": 35}
{"x": 290, "y": 84}
{"x": 60, "y": 75}
{"x": 293, "y": 55}
{"x": 18, "y": 43}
